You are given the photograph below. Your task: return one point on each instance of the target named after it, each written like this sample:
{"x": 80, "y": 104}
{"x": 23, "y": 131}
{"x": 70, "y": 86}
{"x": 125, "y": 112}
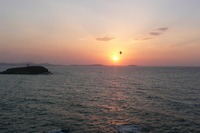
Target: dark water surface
{"x": 93, "y": 99}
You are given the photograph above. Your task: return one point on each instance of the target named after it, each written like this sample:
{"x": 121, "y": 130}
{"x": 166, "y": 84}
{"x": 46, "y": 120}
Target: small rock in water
{"x": 60, "y": 131}
{"x": 65, "y": 130}
{"x": 131, "y": 129}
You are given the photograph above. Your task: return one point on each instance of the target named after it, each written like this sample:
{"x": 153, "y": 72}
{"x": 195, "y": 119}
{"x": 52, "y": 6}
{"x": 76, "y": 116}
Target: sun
{"x": 115, "y": 58}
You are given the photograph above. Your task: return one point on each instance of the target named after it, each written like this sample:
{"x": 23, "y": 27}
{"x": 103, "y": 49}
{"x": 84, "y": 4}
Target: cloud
{"x": 155, "y": 33}
{"x": 146, "y": 39}
{"x": 106, "y": 39}
{"x": 163, "y": 29}
{"x": 159, "y": 31}
{"x": 184, "y": 44}
{"x": 143, "y": 39}
{"x": 152, "y": 32}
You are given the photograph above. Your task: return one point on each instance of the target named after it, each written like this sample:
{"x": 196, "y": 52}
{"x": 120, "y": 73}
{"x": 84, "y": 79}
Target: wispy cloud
{"x": 159, "y": 31}
{"x": 155, "y": 33}
{"x": 142, "y": 39}
{"x": 185, "y": 44}
{"x": 106, "y": 39}
{"x": 152, "y": 32}
{"x": 163, "y": 29}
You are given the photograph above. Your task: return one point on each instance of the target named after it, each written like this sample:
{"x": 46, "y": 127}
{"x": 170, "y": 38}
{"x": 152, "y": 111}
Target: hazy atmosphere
{"x": 148, "y": 32}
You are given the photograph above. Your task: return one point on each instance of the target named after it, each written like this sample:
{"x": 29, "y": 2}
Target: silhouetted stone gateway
{"x": 27, "y": 70}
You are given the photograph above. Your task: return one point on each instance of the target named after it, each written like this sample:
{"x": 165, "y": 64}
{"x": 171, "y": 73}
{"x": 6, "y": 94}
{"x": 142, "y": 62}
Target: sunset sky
{"x": 148, "y": 32}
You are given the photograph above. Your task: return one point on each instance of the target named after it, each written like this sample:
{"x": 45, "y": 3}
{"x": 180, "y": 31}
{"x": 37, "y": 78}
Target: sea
{"x": 94, "y": 99}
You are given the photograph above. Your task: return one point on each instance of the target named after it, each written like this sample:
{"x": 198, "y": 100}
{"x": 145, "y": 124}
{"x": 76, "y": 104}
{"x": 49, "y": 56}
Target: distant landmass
{"x": 88, "y": 65}
{"x": 27, "y": 63}
{"x": 43, "y": 64}
{"x": 132, "y": 65}
{"x": 47, "y": 64}
{"x": 99, "y": 65}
